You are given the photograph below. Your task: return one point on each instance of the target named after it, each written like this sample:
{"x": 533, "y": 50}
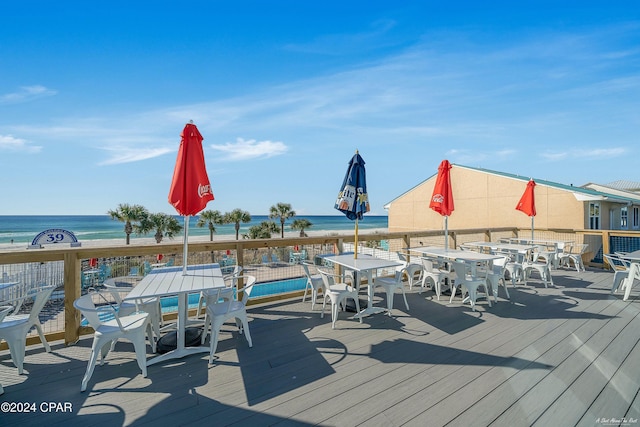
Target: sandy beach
{"x": 5, "y": 247}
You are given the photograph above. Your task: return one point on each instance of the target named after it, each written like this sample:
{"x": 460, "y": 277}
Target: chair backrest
{"x": 275, "y": 258}
{"x": 305, "y": 267}
{"x": 580, "y": 249}
{"x": 231, "y": 280}
{"x": 460, "y": 269}
{"x": 88, "y": 309}
{"x": 413, "y": 271}
{"x": 96, "y": 315}
{"x": 616, "y": 262}
{"x": 40, "y": 297}
{"x": 4, "y": 310}
{"x": 329, "y": 279}
{"x": 248, "y": 288}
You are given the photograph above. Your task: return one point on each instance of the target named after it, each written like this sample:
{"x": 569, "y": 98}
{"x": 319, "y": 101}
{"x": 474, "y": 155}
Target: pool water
{"x": 170, "y": 304}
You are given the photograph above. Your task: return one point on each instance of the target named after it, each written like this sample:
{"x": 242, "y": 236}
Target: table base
{"x": 177, "y": 354}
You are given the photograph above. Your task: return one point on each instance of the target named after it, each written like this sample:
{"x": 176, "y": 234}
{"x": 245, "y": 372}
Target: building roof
{"x": 581, "y": 193}
{"x": 624, "y": 185}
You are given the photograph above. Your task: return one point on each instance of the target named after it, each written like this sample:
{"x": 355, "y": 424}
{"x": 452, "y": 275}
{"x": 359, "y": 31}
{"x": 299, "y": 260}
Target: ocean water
{"x": 23, "y": 229}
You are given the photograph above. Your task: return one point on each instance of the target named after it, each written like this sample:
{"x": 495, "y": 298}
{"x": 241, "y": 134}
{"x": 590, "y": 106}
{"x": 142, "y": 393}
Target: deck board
{"x": 553, "y": 356}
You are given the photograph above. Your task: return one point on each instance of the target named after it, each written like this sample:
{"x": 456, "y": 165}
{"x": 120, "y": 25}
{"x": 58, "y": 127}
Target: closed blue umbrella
{"x": 353, "y": 200}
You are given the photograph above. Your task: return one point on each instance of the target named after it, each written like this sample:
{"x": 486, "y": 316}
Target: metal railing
{"x": 270, "y": 260}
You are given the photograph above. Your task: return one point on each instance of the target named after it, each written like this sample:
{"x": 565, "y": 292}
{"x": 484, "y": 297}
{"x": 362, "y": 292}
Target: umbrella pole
{"x": 532, "y": 227}
{"x": 446, "y": 233}
{"x": 355, "y": 251}
{"x": 186, "y": 245}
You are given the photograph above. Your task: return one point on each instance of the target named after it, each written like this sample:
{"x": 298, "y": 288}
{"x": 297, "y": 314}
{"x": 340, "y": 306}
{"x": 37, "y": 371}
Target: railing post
{"x": 72, "y": 290}
{"x": 407, "y": 244}
{"x": 240, "y": 254}
{"x": 606, "y": 249}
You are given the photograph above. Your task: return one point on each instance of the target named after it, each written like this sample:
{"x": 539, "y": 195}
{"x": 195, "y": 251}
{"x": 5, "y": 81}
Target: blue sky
{"x": 94, "y": 95}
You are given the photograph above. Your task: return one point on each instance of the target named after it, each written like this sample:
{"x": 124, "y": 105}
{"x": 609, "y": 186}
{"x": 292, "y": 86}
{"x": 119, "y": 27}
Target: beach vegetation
{"x": 282, "y": 211}
{"x": 163, "y": 224}
{"x": 237, "y": 216}
{"x": 264, "y": 230}
{"x": 301, "y": 224}
{"x": 131, "y": 215}
{"x": 210, "y": 219}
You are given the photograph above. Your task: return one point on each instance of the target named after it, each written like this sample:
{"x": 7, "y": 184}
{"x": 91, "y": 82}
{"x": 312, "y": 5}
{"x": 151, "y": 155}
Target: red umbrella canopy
{"x": 527, "y": 203}
{"x": 442, "y": 198}
{"x": 190, "y": 188}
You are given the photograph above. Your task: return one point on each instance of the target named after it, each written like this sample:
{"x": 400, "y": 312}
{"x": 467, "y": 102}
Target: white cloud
{"x": 10, "y": 143}
{"x": 585, "y": 153}
{"x": 251, "y": 149}
{"x": 127, "y": 155}
{"x": 26, "y": 93}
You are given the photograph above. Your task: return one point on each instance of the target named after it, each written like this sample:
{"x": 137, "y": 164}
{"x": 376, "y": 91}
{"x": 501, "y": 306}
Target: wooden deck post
{"x": 72, "y": 290}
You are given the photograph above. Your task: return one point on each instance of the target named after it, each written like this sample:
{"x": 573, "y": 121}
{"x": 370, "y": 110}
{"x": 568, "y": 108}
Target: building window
{"x": 635, "y": 218}
{"x": 624, "y": 218}
{"x": 594, "y": 216}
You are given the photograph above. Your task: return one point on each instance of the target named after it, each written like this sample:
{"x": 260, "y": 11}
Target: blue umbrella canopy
{"x": 353, "y": 200}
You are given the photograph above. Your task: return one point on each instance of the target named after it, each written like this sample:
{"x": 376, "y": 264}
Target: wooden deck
{"x": 560, "y": 356}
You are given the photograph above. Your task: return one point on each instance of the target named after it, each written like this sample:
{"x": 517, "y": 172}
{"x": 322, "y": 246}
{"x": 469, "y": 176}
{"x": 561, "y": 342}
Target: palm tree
{"x": 210, "y": 218}
{"x": 262, "y": 231}
{"x": 282, "y": 211}
{"x": 237, "y": 216}
{"x": 130, "y": 215}
{"x": 301, "y": 224}
{"x": 163, "y": 224}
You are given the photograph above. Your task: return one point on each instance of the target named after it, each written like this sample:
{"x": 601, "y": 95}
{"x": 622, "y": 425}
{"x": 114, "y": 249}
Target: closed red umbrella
{"x": 190, "y": 188}
{"x": 527, "y": 203}
{"x": 442, "y": 198}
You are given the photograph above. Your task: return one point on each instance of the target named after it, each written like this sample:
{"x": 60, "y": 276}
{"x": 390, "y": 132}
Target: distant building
{"x": 487, "y": 199}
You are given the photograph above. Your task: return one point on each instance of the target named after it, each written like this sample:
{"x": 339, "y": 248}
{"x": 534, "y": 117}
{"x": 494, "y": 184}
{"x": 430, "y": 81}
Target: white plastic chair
{"x": 109, "y": 326}
{"x": 223, "y": 309}
{"x": 541, "y": 265}
{"x": 627, "y": 284}
{"x": 574, "y": 254}
{"x": 209, "y": 296}
{"x": 391, "y": 284}
{"x": 438, "y": 275}
{"x": 414, "y": 274}
{"x": 620, "y": 267}
{"x": 513, "y": 266}
{"x": 496, "y": 277}
{"x": 15, "y": 327}
{"x": 470, "y": 283}
{"x": 150, "y": 305}
{"x": 314, "y": 282}
{"x": 338, "y": 292}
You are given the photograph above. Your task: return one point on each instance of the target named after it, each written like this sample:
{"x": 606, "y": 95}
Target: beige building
{"x": 487, "y": 199}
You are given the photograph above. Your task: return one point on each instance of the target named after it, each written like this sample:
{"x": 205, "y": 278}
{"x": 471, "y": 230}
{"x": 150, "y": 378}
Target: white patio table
{"x": 521, "y": 249}
{"x": 470, "y": 257}
{"x": 364, "y": 264}
{"x": 170, "y": 281}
